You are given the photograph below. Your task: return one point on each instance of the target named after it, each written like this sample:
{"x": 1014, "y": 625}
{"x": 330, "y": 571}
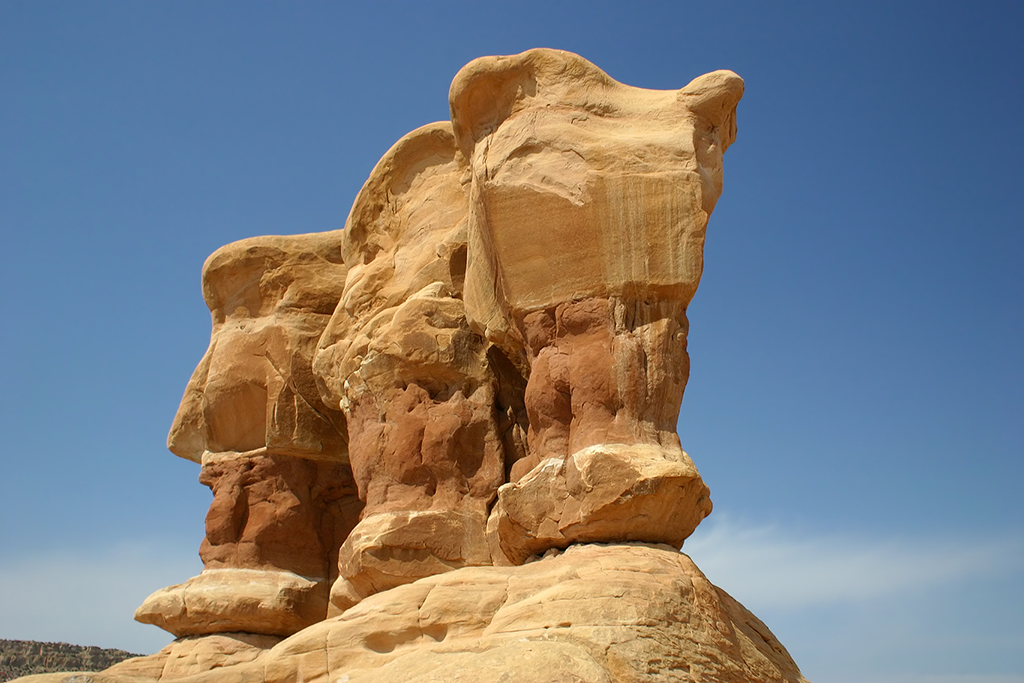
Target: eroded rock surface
{"x": 270, "y": 299}
{"x": 442, "y": 441}
{"x": 620, "y": 613}
{"x": 589, "y": 203}
{"x": 630, "y": 493}
{"x": 413, "y": 379}
{"x": 274, "y": 456}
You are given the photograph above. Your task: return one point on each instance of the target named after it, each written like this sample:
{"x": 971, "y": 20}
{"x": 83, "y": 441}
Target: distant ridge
{"x": 26, "y": 657}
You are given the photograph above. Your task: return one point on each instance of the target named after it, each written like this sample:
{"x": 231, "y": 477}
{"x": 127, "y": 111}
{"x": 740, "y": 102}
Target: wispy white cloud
{"x": 856, "y": 609}
{"x": 796, "y": 571}
{"x": 89, "y": 598}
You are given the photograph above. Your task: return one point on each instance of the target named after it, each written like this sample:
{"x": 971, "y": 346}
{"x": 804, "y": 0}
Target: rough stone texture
{"x": 595, "y": 613}
{"x": 405, "y": 423}
{"x": 393, "y": 548}
{"x": 603, "y": 372}
{"x": 270, "y": 299}
{"x": 568, "y": 212}
{"x": 190, "y": 656}
{"x": 583, "y": 186}
{"x": 224, "y": 600}
{"x": 589, "y": 202}
{"x": 629, "y": 493}
{"x": 274, "y": 520}
{"x": 273, "y": 454}
{"x": 412, "y": 378}
{"x": 276, "y": 512}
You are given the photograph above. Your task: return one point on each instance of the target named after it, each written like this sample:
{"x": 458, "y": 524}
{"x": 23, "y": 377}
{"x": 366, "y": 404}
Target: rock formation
{"x": 589, "y": 201}
{"x": 442, "y": 441}
{"x": 273, "y": 454}
{"x": 400, "y": 360}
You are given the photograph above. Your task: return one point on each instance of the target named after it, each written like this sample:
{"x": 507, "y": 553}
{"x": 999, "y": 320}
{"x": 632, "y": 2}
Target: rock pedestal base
{"x": 624, "y": 613}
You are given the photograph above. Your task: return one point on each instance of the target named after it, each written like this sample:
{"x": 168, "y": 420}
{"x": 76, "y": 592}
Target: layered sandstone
{"x": 589, "y": 201}
{"x": 624, "y": 613}
{"x": 441, "y": 442}
{"x": 399, "y": 358}
{"x": 270, "y": 299}
{"x": 546, "y": 242}
{"x": 274, "y": 456}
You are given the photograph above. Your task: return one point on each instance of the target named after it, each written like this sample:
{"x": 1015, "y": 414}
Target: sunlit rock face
{"x": 270, "y": 299}
{"x": 589, "y": 202}
{"x": 585, "y": 187}
{"x": 414, "y": 381}
{"x": 272, "y": 453}
{"x": 554, "y": 230}
{"x": 441, "y": 442}
{"x": 618, "y": 613}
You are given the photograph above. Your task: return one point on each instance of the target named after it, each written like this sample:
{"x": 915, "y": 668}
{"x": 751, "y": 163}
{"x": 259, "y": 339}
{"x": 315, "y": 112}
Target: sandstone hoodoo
{"x": 441, "y": 441}
{"x": 272, "y": 453}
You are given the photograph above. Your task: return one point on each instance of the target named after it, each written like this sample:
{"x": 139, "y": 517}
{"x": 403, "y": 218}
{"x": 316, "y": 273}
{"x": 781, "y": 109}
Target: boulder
{"x": 602, "y": 493}
{"x": 248, "y": 600}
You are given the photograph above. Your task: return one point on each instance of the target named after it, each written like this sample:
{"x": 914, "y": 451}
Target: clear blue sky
{"x": 856, "y": 402}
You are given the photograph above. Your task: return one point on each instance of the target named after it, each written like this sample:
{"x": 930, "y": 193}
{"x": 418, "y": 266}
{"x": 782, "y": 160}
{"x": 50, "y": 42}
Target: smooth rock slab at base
{"x": 276, "y": 603}
{"x": 627, "y": 613}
